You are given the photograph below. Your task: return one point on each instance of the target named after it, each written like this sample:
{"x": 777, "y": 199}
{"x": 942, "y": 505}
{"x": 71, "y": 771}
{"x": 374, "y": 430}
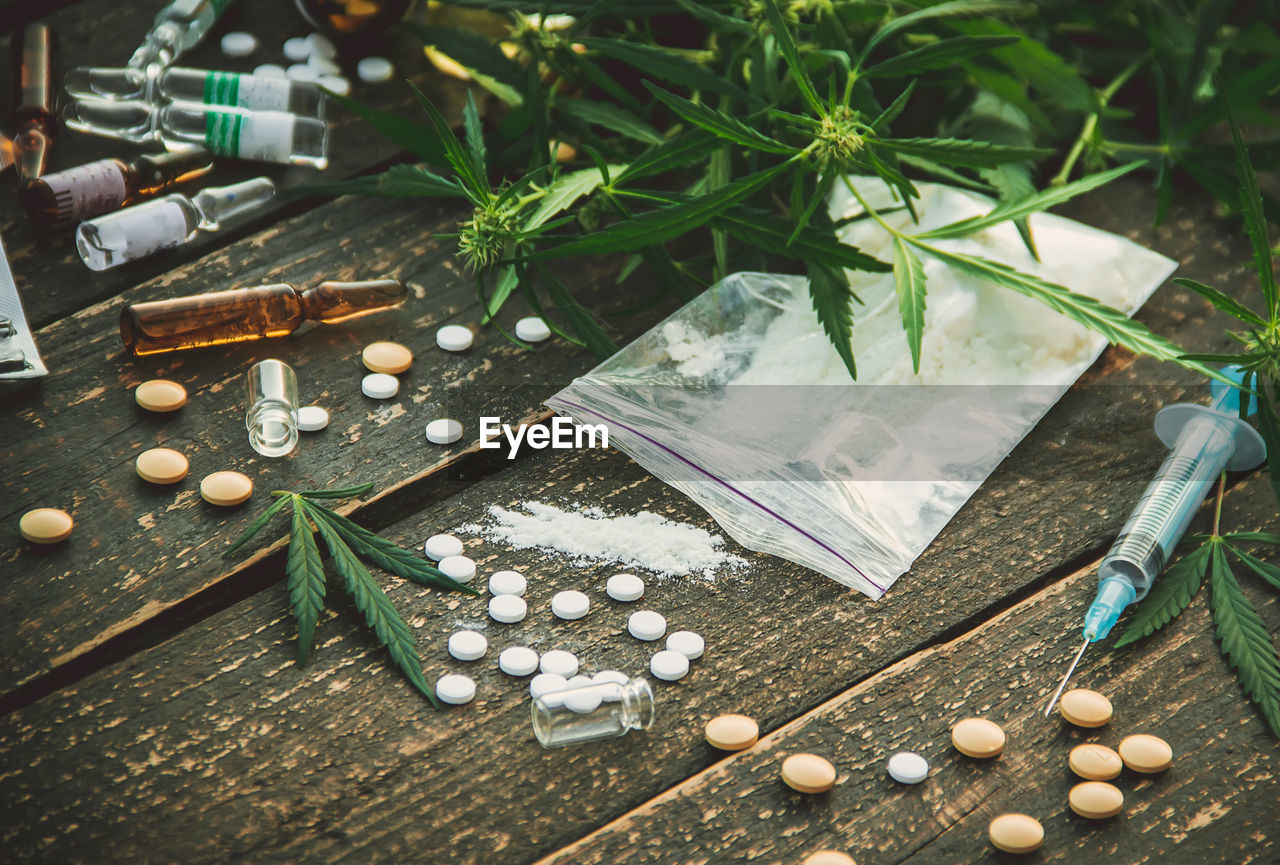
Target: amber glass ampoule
{"x": 94, "y": 188}
{"x": 249, "y": 313}
{"x": 33, "y": 117}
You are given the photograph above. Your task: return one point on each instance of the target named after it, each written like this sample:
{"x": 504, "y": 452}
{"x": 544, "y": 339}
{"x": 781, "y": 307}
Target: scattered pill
{"x": 388, "y": 357}
{"x": 1094, "y": 762}
{"x": 312, "y": 418}
{"x": 459, "y": 568}
{"x": 297, "y": 48}
{"x": 319, "y": 45}
{"x": 454, "y": 337}
{"x": 456, "y": 689}
{"x": 532, "y": 329}
{"x": 507, "y": 608}
{"x": 46, "y": 525}
{"x": 908, "y": 767}
{"x": 647, "y": 625}
{"x": 1085, "y": 708}
{"x": 606, "y": 677}
{"x": 518, "y": 661}
{"x": 161, "y": 466}
{"x": 808, "y": 773}
{"x": 546, "y": 683}
{"x": 978, "y": 737}
{"x": 624, "y": 587}
{"x": 1146, "y": 754}
{"x": 160, "y": 395}
{"x": 379, "y": 385}
{"x": 302, "y": 73}
{"x": 508, "y": 583}
{"x": 669, "y": 666}
{"x": 570, "y": 605}
{"x": 323, "y": 66}
{"x": 237, "y": 43}
{"x": 468, "y": 645}
{"x": 1016, "y": 833}
{"x": 828, "y": 857}
{"x": 687, "y": 643}
{"x": 581, "y": 696}
{"x": 336, "y": 83}
{"x": 440, "y": 547}
{"x": 269, "y": 70}
{"x": 1096, "y": 800}
{"x": 375, "y": 69}
{"x": 557, "y": 660}
{"x": 732, "y": 732}
{"x": 444, "y": 431}
{"x": 226, "y": 489}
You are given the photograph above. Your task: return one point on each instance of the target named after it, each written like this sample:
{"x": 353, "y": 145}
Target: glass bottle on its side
{"x": 200, "y": 86}
{"x": 596, "y": 711}
{"x": 244, "y": 314}
{"x": 178, "y": 26}
{"x": 100, "y": 187}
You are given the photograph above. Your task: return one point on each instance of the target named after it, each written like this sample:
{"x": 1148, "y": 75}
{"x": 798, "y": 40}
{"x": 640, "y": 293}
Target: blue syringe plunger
{"x": 1114, "y": 594}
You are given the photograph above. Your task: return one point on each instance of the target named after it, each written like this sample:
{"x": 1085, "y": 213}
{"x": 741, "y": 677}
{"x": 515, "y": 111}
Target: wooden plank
{"x": 1217, "y": 803}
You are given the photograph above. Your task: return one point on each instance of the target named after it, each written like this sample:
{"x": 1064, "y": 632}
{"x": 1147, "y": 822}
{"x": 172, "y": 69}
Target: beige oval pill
{"x": 978, "y": 737}
{"x": 161, "y": 466}
{"x": 1094, "y": 762}
{"x": 1085, "y": 708}
{"x": 1096, "y": 800}
{"x": 226, "y": 488}
{"x": 808, "y": 773}
{"x": 46, "y": 525}
{"x": 1146, "y": 754}
{"x": 732, "y": 732}
{"x": 1016, "y": 833}
{"x": 387, "y": 357}
{"x": 160, "y": 394}
{"x": 829, "y": 857}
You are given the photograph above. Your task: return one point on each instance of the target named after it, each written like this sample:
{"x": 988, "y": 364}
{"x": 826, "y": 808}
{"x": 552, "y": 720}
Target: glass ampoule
{"x": 272, "y": 414}
{"x": 242, "y": 314}
{"x": 100, "y": 187}
{"x": 135, "y": 232}
{"x": 33, "y": 117}
{"x": 178, "y": 26}
{"x": 602, "y": 711}
{"x": 200, "y": 86}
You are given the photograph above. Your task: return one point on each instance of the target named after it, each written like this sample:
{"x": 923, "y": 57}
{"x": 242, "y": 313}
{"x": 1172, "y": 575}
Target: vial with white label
{"x": 272, "y": 416}
{"x": 596, "y": 711}
{"x": 136, "y": 232}
{"x": 200, "y": 86}
{"x": 178, "y": 26}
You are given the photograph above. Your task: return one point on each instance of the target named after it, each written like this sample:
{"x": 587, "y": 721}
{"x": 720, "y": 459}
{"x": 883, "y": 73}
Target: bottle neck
{"x": 333, "y": 302}
{"x": 637, "y": 701}
{"x": 151, "y": 174}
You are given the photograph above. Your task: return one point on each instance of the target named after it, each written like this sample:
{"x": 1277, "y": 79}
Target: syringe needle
{"x": 1058, "y": 693}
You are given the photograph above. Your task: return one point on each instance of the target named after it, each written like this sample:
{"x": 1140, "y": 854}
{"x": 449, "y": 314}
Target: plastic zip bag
{"x": 739, "y": 401}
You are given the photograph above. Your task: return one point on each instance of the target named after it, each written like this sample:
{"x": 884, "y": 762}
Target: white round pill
{"x": 507, "y": 608}
{"x": 532, "y": 329}
{"x": 379, "y": 385}
{"x": 579, "y": 681}
{"x": 647, "y": 625}
{"x": 456, "y": 689}
{"x": 444, "y": 431}
{"x": 459, "y": 568}
{"x": 908, "y": 767}
{"x": 375, "y": 69}
{"x": 297, "y": 48}
{"x": 570, "y": 605}
{"x": 687, "y": 643}
{"x": 557, "y": 660}
{"x": 625, "y": 587}
{"x": 582, "y": 701}
{"x": 546, "y": 683}
{"x": 318, "y": 45}
{"x": 237, "y": 43}
{"x": 518, "y": 661}
{"x": 508, "y": 583}
{"x": 454, "y": 337}
{"x": 323, "y": 65}
{"x": 336, "y": 83}
{"x": 605, "y": 677}
{"x": 669, "y": 666}
{"x": 440, "y": 547}
{"x": 312, "y": 418}
{"x": 269, "y": 70}
{"x": 468, "y": 645}
{"x": 301, "y": 72}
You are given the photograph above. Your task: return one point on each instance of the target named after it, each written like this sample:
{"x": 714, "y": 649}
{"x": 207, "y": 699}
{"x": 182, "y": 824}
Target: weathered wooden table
{"x": 153, "y": 711}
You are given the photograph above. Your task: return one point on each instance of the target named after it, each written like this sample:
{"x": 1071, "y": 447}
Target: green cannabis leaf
{"x": 305, "y": 574}
{"x": 1168, "y": 597}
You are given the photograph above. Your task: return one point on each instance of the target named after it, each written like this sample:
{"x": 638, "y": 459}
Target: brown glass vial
{"x": 33, "y": 117}
{"x": 249, "y": 313}
{"x": 95, "y": 188}
{"x": 353, "y": 17}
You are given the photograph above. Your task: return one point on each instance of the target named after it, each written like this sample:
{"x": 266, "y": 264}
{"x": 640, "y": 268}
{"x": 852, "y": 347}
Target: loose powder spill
{"x": 643, "y": 540}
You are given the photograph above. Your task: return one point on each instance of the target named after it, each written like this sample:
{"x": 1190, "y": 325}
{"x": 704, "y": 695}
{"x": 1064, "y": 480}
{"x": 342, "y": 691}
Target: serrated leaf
{"x": 959, "y": 151}
{"x": 379, "y": 612}
{"x": 669, "y": 66}
{"x": 1169, "y": 596}
{"x": 1266, "y": 570}
{"x": 1245, "y": 642}
{"x": 791, "y": 55}
{"x": 506, "y": 283}
{"x": 896, "y": 107}
{"x": 567, "y": 189}
{"x": 718, "y": 123}
{"x": 612, "y": 117}
{"x": 771, "y": 233}
{"x": 934, "y": 55}
{"x": 679, "y": 151}
{"x": 398, "y": 181}
{"x": 478, "y": 54}
{"x": 305, "y": 580}
{"x": 1255, "y": 221}
{"x": 718, "y": 21}
{"x": 909, "y": 277}
{"x": 1269, "y": 426}
{"x": 1035, "y": 64}
{"x": 832, "y": 301}
{"x": 453, "y": 151}
{"x": 421, "y": 140}
{"x": 1259, "y": 537}
{"x": 338, "y": 493}
{"x": 816, "y": 200}
{"x": 255, "y": 527}
{"x": 583, "y": 322}
{"x": 942, "y": 10}
{"x": 1222, "y": 301}
{"x": 474, "y": 135}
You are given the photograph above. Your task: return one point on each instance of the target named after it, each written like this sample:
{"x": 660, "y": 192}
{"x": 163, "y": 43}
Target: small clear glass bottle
{"x": 199, "y": 86}
{"x": 33, "y": 115}
{"x": 178, "y": 26}
{"x": 272, "y": 416}
{"x": 136, "y": 232}
{"x": 602, "y": 711}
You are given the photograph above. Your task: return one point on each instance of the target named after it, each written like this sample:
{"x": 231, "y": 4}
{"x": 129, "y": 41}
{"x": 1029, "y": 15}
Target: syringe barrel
{"x": 1170, "y": 502}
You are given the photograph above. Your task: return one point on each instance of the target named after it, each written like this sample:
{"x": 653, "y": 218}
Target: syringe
{"x": 1203, "y": 441}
